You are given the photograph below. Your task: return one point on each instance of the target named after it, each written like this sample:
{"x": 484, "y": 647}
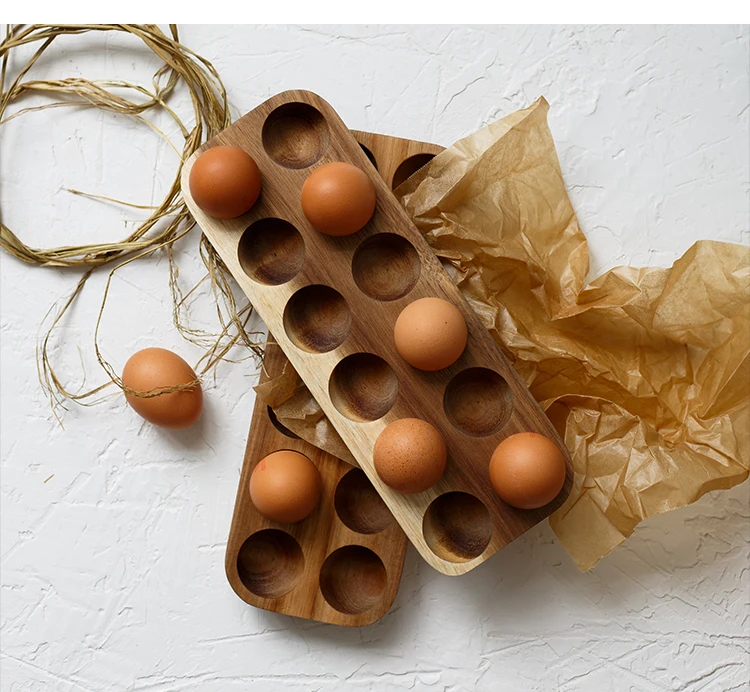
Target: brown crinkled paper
{"x": 645, "y": 372}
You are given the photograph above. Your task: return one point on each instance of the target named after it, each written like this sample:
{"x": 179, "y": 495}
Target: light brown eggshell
{"x": 285, "y": 487}
{"x": 153, "y": 368}
{"x": 430, "y": 334}
{"x": 338, "y": 199}
{"x": 410, "y": 455}
{"x": 527, "y": 470}
{"x": 225, "y": 182}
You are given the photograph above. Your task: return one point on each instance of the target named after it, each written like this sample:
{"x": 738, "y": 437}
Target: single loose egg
{"x": 157, "y": 368}
{"x": 338, "y": 198}
{"x": 430, "y": 334}
{"x": 410, "y": 455}
{"x": 527, "y": 470}
{"x": 225, "y": 182}
{"x": 285, "y": 487}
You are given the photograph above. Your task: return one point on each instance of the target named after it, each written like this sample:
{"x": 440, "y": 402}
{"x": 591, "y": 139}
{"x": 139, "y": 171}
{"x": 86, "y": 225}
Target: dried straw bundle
{"x": 167, "y": 223}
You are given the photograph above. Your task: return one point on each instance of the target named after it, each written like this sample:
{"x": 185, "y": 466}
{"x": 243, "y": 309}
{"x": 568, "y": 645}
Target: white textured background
{"x": 112, "y": 570}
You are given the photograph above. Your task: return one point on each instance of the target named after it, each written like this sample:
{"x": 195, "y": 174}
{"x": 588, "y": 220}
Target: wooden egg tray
{"x": 342, "y": 565}
{"x": 332, "y": 304}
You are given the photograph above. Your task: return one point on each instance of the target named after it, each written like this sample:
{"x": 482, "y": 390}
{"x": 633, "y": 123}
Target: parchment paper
{"x": 645, "y": 372}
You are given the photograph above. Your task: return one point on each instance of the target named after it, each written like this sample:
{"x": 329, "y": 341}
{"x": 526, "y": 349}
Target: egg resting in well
{"x": 154, "y": 368}
{"x": 338, "y": 199}
{"x": 410, "y": 455}
{"x": 527, "y": 470}
{"x": 430, "y": 334}
{"x": 285, "y": 487}
{"x": 225, "y": 182}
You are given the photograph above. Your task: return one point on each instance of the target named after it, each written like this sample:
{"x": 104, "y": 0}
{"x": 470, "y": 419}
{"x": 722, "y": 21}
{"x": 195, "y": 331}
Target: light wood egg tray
{"x": 342, "y": 564}
{"x": 332, "y": 304}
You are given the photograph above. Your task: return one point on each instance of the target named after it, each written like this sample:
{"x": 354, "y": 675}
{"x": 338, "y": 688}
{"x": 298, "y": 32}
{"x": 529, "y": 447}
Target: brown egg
{"x": 410, "y": 455}
{"x": 225, "y": 182}
{"x": 527, "y": 470}
{"x": 154, "y": 368}
{"x": 338, "y": 198}
{"x": 285, "y": 487}
{"x": 430, "y": 334}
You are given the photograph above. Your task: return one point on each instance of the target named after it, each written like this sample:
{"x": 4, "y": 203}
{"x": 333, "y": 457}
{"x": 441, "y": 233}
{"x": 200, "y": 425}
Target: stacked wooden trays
{"x": 332, "y": 303}
{"x": 343, "y": 564}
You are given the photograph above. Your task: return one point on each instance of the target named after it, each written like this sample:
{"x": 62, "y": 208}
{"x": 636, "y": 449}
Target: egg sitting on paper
{"x": 157, "y": 368}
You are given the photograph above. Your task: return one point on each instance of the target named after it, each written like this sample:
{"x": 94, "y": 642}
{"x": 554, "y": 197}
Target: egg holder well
{"x": 340, "y": 565}
{"x": 332, "y": 303}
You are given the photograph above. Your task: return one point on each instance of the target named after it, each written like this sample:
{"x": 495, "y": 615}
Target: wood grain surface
{"x": 328, "y": 302}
